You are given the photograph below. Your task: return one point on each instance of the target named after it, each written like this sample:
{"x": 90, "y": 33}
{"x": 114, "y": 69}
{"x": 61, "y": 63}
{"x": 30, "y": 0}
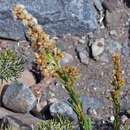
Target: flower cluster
{"x": 118, "y": 80}
{"x": 118, "y": 83}
{"x": 46, "y": 52}
{"x": 48, "y": 57}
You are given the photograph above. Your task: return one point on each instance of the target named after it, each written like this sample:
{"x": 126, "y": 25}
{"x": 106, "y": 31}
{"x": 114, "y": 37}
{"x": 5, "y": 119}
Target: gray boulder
{"x": 57, "y": 17}
{"x": 64, "y": 109}
{"x": 18, "y": 98}
{"x": 17, "y": 120}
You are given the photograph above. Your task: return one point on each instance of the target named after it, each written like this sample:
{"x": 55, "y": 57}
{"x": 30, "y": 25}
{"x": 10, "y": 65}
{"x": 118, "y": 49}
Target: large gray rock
{"x": 57, "y": 16}
{"x": 18, "y": 98}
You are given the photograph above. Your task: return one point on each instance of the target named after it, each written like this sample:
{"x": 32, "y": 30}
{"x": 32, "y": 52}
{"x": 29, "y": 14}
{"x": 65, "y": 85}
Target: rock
{"x": 18, "y": 98}
{"x": 112, "y": 46}
{"x": 124, "y": 118}
{"x": 90, "y": 102}
{"x": 98, "y": 4}
{"x": 113, "y": 19}
{"x": 8, "y": 28}
{"x": 4, "y": 112}
{"x": 98, "y": 47}
{"x": 64, "y": 109}
{"x": 83, "y": 55}
{"x": 39, "y": 90}
{"x": 37, "y": 110}
{"x": 57, "y": 17}
{"x": 92, "y": 112}
{"x": 68, "y": 58}
{"x": 112, "y": 118}
{"x": 110, "y": 4}
{"x": 17, "y": 120}
{"x": 26, "y": 78}
{"x": 113, "y": 33}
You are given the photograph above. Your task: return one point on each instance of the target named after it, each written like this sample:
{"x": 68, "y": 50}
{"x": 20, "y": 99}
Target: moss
{"x": 11, "y": 65}
{"x": 55, "y": 124}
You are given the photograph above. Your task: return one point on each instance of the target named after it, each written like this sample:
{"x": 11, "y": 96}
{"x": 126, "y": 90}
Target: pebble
{"x": 83, "y": 55}
{"x": 112, "y": 118}
{"x": 113, "y": 33}
{"x": 92, "y": 112}
{"x": 124, "y": 118}
{"x": 98, "y": 47}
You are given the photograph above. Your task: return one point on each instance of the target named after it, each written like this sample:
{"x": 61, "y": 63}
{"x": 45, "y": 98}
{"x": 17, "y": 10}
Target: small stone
{"x": 113, "y": 33}
{"x": 124, "y": 118}
{"x": 112, "y": 118}
{"x": 83, "y": 55}
{"x": 19, "y": 98}
{"x": 64, "y": 109}
{"x": 92, "y": 112}
{"x": 68, "y": 58}
{"x": 98, "y": 47}
{"x": 82, "y": 40}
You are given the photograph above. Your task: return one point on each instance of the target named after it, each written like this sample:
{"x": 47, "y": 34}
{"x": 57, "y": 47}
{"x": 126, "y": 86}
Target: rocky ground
{"x": 88, "y": 41}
